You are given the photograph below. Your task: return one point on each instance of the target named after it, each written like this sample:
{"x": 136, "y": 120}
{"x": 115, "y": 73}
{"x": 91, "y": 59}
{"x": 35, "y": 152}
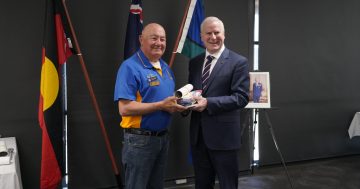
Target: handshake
{"x": 186, "y": 95}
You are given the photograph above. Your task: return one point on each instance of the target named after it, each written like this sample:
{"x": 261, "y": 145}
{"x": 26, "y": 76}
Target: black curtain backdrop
{"x": 100, "y": 28}
{"x": 21, "y": 24}
{"x": 102, "y": 35}
{"x": 311, "y": 49}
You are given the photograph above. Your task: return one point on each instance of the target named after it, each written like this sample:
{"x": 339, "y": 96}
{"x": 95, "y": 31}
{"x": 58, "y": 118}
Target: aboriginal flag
{"x": 134, "y": 28}
{"x": 56, "y": 49}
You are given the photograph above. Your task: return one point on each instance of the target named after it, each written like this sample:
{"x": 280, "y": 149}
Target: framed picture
{"x": 259, "y": 90}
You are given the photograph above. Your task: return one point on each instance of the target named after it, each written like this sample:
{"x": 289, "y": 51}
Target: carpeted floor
{"x": 332, "y": 173}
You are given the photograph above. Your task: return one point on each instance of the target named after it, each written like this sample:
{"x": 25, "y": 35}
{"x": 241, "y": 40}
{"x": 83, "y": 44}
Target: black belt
{"x": 145, "y": 132}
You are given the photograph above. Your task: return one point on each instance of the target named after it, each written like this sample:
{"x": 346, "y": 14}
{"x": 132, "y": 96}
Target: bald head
{"x": 153, "y": 41}
{"x": 151, "y": 27}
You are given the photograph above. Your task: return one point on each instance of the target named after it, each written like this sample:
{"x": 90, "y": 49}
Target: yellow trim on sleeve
{"x": 132, "y": 121}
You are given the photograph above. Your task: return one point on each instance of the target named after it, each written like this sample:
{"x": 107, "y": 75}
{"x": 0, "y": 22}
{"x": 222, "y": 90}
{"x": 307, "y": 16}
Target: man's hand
{"x": 200, "y": 105}
{"x": 169, "y": 104}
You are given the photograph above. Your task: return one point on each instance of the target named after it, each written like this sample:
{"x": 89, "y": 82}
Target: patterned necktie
{"x": 206, "y": 72}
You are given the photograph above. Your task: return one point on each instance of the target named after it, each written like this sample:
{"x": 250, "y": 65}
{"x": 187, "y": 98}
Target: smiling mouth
{"x": 214, "y": 43}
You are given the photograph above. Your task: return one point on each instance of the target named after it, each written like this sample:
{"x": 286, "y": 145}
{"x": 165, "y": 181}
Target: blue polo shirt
{"x": 139, "y": 81}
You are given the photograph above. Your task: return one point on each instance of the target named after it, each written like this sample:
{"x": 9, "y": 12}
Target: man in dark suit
{"x": 257, "y": 89}
{"x": 215, "y": 127}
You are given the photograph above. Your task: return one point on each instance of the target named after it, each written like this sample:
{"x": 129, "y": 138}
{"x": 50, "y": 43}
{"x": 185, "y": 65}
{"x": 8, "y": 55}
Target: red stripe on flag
{"x": 50, "y": 170}
{"x": 63, "y": 47}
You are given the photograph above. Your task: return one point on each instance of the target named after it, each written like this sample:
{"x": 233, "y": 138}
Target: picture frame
{"x": 259, "y": 90}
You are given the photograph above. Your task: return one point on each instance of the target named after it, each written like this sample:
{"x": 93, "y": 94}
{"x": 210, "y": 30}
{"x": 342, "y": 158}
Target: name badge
{"x": 153, "y": 80}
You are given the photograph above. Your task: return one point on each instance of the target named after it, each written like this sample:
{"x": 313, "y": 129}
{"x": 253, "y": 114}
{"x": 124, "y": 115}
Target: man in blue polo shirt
{"x": 144, "y": 92}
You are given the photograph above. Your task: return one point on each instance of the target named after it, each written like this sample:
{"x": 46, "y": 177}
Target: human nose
{"x": 213, "y": 36}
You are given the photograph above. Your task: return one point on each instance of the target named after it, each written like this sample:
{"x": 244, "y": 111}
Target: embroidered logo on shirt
{"x": 153, "y": 80}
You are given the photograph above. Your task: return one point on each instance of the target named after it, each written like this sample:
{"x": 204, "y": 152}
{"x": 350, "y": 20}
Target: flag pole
{"x": 95, "y": 104}
{"x": 173, "y": 53}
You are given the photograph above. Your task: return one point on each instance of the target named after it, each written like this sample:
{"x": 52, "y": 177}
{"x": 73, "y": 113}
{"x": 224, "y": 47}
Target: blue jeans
{"x": 144, "y": 159}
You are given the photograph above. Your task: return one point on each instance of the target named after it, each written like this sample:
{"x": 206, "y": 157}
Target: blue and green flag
{"x": 190, "y": 43}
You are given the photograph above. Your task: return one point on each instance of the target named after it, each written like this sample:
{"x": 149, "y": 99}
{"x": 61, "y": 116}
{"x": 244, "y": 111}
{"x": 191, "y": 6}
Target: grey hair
{"x": 212, "y": 19}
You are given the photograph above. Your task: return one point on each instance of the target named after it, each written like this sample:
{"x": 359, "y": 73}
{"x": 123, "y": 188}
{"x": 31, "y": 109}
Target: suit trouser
{"x": 211, "y": 163}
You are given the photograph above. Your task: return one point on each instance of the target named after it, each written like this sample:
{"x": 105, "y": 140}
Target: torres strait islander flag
{"x": 134, "y": 28}
{"x": 55, "y": 51}
{"x": 190, "y": 43}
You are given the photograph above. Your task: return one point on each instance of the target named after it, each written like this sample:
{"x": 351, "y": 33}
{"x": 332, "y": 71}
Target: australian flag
{"x": 134, "y": 28}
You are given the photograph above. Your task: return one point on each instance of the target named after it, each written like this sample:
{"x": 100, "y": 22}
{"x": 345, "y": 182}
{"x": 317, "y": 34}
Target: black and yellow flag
{"x": 55, "y": 51}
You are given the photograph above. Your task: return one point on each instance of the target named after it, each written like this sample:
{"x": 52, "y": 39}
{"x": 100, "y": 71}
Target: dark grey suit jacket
{"x": 226, "y": 94}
